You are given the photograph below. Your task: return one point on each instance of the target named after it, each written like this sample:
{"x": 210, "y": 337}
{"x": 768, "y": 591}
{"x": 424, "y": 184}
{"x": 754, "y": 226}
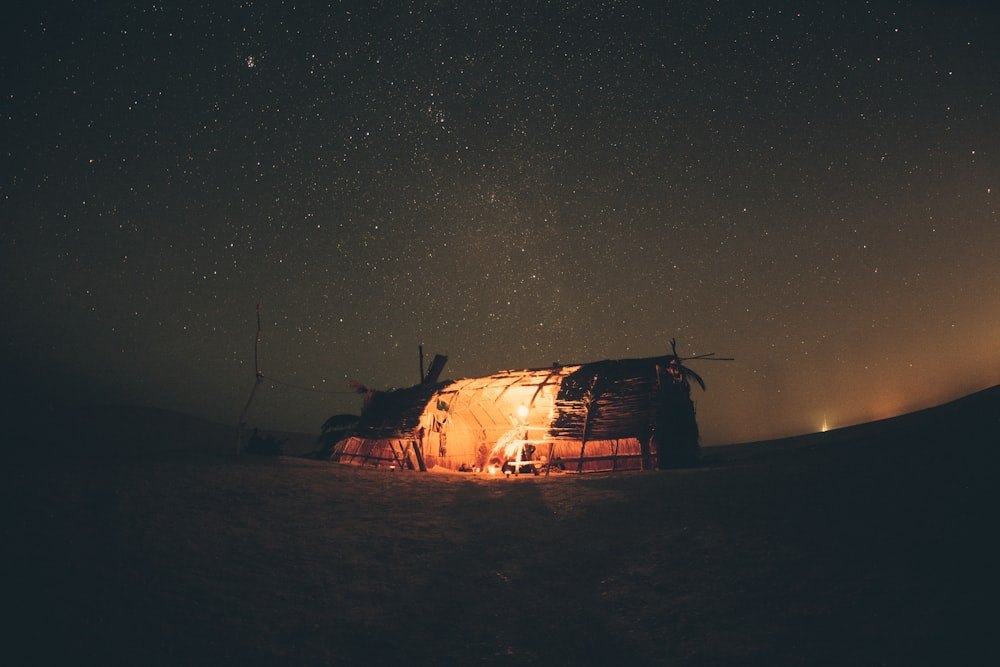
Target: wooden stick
{"x": 258, "y": 379}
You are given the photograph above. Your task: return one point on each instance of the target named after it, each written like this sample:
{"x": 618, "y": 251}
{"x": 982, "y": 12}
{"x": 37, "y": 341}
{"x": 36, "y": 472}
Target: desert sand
{"x": 137, "y": 537}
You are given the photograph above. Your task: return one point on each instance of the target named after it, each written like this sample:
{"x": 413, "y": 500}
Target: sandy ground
{"x": 872, "y": 546}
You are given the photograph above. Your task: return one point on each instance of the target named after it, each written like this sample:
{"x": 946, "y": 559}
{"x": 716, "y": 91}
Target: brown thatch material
{"x": 605, "y": 415}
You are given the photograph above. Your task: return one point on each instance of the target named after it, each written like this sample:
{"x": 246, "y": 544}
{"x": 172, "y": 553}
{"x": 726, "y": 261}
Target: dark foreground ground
{"x": 869, "y": 546}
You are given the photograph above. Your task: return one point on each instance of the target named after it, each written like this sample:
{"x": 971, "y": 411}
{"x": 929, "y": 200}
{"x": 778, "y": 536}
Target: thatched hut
{"x": 624, "y": 414}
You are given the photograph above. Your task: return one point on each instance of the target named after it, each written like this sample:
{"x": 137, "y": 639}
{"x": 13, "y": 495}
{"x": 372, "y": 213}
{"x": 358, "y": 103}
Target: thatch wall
{"x": 597, "y": 455}
{"x": 396, "y": 413}
{"x": 607, "y": 400}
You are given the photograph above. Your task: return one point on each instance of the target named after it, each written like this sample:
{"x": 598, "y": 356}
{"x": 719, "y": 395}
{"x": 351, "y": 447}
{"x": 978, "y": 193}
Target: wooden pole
{"x": 590, "y": 398}
{"x": 258, "y": 379}
{"x": 583, "y": 440}
{"x": 256, "y": 347}
{"x": 418, "y": 450}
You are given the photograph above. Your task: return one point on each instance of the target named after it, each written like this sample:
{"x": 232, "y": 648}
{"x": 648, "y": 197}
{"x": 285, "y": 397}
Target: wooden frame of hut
{"x": 627, "y": 414}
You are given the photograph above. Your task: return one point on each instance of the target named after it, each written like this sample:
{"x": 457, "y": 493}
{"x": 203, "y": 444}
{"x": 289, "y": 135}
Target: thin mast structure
{"x": 258, "y": 380}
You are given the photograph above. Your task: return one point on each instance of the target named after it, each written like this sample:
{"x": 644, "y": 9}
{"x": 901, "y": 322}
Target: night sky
{"x": 809, "y": 187}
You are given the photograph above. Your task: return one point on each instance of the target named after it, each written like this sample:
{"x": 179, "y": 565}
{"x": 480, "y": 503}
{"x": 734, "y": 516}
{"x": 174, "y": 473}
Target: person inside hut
{"x": 528, "y": 454}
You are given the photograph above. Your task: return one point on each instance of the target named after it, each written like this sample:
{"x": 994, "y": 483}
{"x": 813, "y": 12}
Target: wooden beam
{"x": 418, "y": 450}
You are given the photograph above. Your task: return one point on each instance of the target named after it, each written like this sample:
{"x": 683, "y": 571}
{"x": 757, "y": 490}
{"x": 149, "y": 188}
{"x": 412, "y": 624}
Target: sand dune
{"x": 870, "y": 545}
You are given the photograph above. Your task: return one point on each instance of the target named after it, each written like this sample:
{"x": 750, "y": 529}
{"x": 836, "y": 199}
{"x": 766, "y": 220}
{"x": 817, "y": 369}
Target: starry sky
{"x": 808, "y": 187}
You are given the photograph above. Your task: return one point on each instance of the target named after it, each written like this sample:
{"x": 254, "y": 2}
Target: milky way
{"x": 808, "y": 188}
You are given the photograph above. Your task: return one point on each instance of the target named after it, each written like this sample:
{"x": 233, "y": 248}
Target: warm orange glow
{"x": 889, "y": 405}
{"x": 501, "y": 413}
